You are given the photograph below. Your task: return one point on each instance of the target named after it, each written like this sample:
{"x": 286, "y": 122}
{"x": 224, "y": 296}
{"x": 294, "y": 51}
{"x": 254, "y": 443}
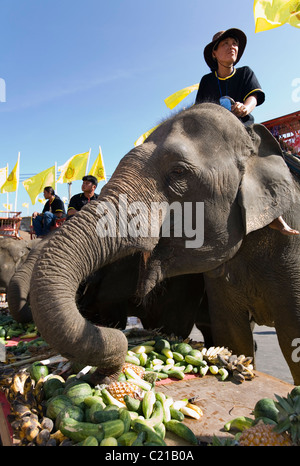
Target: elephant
{"x": 13, "y": 254}
{"x": 174, "y": 306}
{"x": 197, "y": 197}
{"x": 107, "y": 298}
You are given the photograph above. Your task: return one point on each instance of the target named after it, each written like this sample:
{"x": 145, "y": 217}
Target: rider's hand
{"x": 239, "y": 109}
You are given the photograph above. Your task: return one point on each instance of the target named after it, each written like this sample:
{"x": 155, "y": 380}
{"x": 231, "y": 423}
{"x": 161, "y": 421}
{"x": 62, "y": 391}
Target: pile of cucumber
{"x": 167, "y": 359}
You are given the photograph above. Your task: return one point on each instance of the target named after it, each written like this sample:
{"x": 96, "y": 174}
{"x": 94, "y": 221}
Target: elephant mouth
{"x": 153, "y": 269}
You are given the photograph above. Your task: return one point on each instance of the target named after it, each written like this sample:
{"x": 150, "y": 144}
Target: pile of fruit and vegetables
{"x": 275, "y": 422}
{"x": 53, "y": 403}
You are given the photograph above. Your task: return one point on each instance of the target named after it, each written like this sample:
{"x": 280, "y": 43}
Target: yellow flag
{"x": 11, "y": 183}
{"x": 74, "y": 168}
{"x": 98, "y": 169}
{"x": 3, "y": 175}
{"x": 176, "y": 98}
{"x": 36, "y": 184}
{"x": 144, "y": 136}
{"x": 7, "y": 206}
{"x": 270, "y": 14}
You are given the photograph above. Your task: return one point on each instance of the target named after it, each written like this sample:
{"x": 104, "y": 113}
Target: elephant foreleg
{"x": 229, "y": 315}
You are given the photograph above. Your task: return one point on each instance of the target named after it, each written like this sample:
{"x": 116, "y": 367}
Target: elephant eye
{"x": 177, "y": 171}
{"x": 177, "y": 179}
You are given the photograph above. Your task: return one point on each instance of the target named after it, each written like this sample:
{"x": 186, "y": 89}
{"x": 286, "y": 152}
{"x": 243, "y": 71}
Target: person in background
{"x": 89, "y": 184}
{"x": 240, "y": 84}
{"x": 53, "y": 209}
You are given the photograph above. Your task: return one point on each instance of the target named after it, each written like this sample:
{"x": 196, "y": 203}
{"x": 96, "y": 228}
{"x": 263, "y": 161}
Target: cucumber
{"x": 148, "y": 403}
{"x": 113, "y": 428}
{"x": 132, "y": 404}
{"x": 52, "y": 384}
{"x": 70, "y": 411}
{"x": 265, "y": 407}
{"x": 124, "y": 415}
{"x": 160, "y": 429}
{"x": 38, "y": 370}
{"x": 78, "y": 431}
{"x": 139, "y": 441}
{"x": 181, "y": 430}
{"x": 195, "y": 361}
{"x": 90, "y": 441}
{"x": 178, "y": 356}
{"x": 98, "y": 414}
{"x": 127, "y": 438}
{"x": 176, "y": 414}
{"x": 109, "y": 442}
{"x": 157, "y": 415}
{"x": 161, "y": 344}
{"x": 77, "y": 392}
{"x": 196, "y": 353}
{"x": 57, "y": 404}
{"x": 182, "y": 348}
{"x": 176, "y": 374}
{"x": 151, "y": 436}
{"x": 95, "y": 399}
{"x": 132, "y": 360}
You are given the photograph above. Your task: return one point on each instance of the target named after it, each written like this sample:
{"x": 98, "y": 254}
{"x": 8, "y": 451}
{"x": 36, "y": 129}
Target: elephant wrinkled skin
{"x": 201, "y": 155}
{"x": 13, "y": 254}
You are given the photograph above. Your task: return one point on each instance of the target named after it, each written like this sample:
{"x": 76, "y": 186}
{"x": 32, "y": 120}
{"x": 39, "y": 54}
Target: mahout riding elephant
{"x": 13, "y": 253}
{"x": 201, "y": 157}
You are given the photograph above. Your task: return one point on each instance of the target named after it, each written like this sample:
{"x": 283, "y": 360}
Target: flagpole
{"x": 87, "y": 163}
{"x": 55, "y": 184}
{"x": 102, "y": 158}
{"x": 7, "y": 197}
{"x": 69, "y": 190}
{"x": 18, "y": 175}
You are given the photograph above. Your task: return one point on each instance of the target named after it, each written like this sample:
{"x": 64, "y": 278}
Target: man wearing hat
{"x": 240, "y": 84}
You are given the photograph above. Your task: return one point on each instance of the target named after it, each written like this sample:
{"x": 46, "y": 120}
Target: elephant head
{"x": 19, "y": 285}
{"x": 13, "y": 254}
{"x": 182, "y": 200}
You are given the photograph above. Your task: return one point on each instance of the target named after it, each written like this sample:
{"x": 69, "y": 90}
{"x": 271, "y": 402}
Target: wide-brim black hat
{"x": 236, "y": 33}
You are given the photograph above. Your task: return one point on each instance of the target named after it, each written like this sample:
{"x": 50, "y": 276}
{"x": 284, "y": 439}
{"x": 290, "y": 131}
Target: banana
{"x": 240, "y": 423}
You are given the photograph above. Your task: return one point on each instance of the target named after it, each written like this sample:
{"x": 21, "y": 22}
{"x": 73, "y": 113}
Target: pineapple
{"x": 119, "y": 389}
{"x": 289, "y": 416}
{"x": 263, "y": 434}
{"x": 139, "y": 370}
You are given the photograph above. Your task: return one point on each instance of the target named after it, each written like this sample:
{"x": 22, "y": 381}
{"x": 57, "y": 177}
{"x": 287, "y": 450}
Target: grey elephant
{"x": 13, "y": 254}
{"x": 201, "y": 157}
{"x": 108, "y": 297}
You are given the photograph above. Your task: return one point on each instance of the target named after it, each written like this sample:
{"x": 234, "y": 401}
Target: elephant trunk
{"x": 69, "y": 257}
{"x": 19, "y": 286}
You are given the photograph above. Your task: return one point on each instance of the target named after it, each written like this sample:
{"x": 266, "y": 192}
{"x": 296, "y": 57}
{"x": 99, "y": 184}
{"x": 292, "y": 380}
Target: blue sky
{"x": 83, "y": 74}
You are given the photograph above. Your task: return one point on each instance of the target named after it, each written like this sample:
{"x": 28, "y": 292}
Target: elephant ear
{"x": 266, "y": 189}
